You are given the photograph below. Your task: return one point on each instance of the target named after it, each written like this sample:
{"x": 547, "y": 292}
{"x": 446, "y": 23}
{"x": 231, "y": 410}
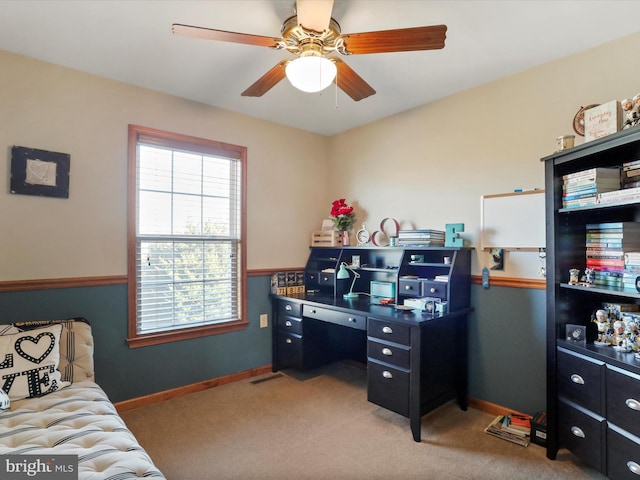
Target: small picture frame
{"x": 39, "y": 172}
{"x": 576, "y": 333}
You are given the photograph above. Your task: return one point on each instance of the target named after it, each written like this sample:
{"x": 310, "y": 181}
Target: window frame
{"x": 192, "y": 144}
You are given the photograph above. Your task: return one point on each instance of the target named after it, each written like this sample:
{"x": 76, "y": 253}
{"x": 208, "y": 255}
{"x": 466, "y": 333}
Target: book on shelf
{"x": 603, "y": 172}
{"x": 631, "y": 164}
{"x": 498, "y": 429}
{"x": 625, "y": 194}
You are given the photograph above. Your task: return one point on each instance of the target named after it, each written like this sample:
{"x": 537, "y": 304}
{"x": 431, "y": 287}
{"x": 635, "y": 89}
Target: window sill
{"x": 185, "y": 334}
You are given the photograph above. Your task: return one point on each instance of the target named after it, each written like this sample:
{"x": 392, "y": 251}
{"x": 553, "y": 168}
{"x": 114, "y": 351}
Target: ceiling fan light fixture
{"x": 311, "y": 73}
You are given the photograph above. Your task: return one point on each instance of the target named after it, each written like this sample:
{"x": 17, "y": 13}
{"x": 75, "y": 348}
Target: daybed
{"x": 73, "y": 415}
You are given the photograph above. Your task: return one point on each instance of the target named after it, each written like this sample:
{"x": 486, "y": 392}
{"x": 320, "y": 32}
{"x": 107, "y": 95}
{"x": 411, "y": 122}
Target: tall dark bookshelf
{"x": 593, "y": 392}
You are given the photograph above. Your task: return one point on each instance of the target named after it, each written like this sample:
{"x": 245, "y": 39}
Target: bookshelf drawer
{"x": 581, "y": 380}
{"x": 623, "y": 400}
{"x": 388, "y": 387}
{"x": 623, "y": 454}
{"x": 397, "y": 355}
{"x": 582, "y": 433}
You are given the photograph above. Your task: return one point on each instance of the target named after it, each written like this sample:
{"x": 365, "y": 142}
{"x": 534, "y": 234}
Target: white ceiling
{"x": 131, "y": 41}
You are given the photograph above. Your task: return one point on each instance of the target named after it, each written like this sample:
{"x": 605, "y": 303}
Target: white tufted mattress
{"x": 75, "y": 420}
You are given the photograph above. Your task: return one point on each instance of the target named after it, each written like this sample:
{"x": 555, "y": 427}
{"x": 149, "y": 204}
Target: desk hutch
{"x": 415, "y": 361}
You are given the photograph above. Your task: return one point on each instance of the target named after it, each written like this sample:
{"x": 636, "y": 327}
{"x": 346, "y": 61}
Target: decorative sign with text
{"x": 602, "y": 120}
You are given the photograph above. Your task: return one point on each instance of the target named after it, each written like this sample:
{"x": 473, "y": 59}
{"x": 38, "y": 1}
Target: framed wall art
{"x": 39, "y": 172}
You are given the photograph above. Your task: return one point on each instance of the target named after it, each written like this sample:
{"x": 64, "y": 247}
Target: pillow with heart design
{"x": 29, "y": 363}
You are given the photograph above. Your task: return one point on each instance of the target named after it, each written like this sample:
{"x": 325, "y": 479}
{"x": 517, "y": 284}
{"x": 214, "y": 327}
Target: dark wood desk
{"x": 415, "y": 361}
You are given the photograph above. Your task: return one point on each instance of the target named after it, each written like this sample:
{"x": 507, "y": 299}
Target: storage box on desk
{"x": 539, "y": 429}
{"x": 326, "y": 238}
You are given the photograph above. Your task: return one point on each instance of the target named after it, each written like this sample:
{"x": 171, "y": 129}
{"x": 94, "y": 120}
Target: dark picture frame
{"x": 39, "y": 172}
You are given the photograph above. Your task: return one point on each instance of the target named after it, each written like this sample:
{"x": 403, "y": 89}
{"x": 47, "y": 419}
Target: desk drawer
{"x": 623, "y": 455}
{"x": 580, "y": 380}
{"x": 290, "y": 350}
{"x": 397, "y": 355}
{"x": 388, "y": 387}
{"x": 326, "y": 278}
{"x": 286, "y": 307}
{"x": 290, "y": 324}
{"x": 334, "y": 316}
{"x": 431, "y": 288}
{"x": 410, "y": 287}
{"x": 582, "y": 433}
{"x": 389, "y": 331}
{"x": 623, "y": 400}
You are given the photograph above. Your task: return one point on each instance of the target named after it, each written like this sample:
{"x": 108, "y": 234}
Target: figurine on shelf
{"x": 601, "y": 319}
{"x": 573, "y": 276}
{"x": 627, "y": 108}
{"x": 589, "y": 276}
{"x": 636, "y": 110}
{"x": 622, "y": 343}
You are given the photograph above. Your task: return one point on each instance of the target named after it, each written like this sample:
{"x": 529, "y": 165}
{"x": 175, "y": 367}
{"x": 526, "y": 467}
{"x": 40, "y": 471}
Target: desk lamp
{"x": 343, "y": 273}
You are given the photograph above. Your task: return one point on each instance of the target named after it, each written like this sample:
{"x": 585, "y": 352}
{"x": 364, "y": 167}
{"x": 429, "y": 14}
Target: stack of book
{"x": 421, "y": 238}
{"x": 581, "y": 189}
{"x": 513, "y": 428}
{"x": 606, "y": 244}
{"x": 631, "y": 270}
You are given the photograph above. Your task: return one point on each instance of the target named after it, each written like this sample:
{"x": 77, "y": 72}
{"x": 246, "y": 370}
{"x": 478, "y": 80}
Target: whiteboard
{"x": 513, "y": 221}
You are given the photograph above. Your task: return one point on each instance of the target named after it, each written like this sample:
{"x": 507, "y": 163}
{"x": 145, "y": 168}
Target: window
{"x": 186, "y": 237}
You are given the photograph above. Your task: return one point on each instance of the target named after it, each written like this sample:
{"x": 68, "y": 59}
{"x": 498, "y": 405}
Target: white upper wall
{"x": 57, "y": 109}
{"x": 430, "y": 166}
{"x": 425, "y": 167}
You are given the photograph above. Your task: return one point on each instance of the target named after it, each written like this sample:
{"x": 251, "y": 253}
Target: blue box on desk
{"x": 383, "y": 289}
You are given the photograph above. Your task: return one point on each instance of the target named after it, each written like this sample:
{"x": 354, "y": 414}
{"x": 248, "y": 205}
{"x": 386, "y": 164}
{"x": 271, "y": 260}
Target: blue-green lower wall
{"x": 126, "y": 373}
{"x": 507, "y": 347}
{"x": 506, "y": 342}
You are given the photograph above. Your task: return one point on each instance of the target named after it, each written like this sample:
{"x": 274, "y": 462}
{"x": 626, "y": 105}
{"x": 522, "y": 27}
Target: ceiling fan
{"x": 311, "y": 34}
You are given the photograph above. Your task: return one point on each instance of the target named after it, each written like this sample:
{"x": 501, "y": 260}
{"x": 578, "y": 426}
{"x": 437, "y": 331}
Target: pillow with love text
{"x": 29, "y": 363}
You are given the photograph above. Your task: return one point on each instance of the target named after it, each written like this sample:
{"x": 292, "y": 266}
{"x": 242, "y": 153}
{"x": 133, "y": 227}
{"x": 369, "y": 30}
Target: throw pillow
{"x": 29, "y": 363}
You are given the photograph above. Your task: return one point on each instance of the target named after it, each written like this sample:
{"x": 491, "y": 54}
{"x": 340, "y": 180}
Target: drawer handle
{"x": 633, "y": 467}
{"x": 387, "y": 351}
{"x": 387, "y": 330}
{"x": 351, "y": 319}
{"x": 288, "y": 308}
{"x": 577, "y": 432}
{"x": 433, "y": 290}
{"x": 575, "y": 378}
{"x": 633, "y": 404}
{"x": 387, "y": 374}
{"x": 288, "y": 340}
{"x": 313, "y": 310}
{"x": 408, "y": 287}
{"x": 287, "y": 323}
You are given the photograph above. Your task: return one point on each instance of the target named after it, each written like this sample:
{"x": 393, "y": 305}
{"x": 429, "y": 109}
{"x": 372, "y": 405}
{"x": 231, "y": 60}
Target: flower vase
{"x": 345, "y": 238}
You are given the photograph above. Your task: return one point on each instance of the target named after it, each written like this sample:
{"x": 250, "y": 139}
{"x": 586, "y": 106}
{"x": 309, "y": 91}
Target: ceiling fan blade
{"x": 400, "y": 40}
{"x": 224, "y": 36}
{"x": 314, "y": 14}
{"x": 267, "y": 81}
{"x": 350, "y": 82}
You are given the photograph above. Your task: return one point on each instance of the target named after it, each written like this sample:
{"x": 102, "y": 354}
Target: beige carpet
{"x": 319, "y": 425}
